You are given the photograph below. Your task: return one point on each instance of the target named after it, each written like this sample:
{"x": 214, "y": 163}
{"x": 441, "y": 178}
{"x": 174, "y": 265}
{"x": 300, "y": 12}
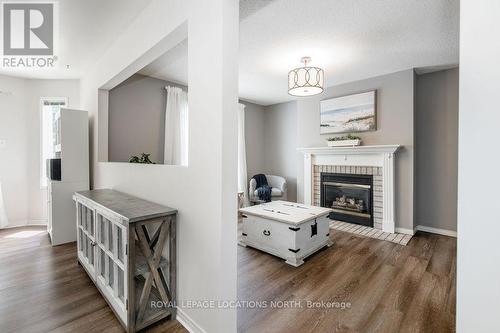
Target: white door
{"x": 111, "y": 254}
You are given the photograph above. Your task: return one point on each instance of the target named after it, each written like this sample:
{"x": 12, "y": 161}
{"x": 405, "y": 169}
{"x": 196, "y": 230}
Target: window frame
{"x": 43, "y": 181}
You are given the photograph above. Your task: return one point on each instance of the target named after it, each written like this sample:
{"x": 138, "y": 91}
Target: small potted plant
{"x": 143, "y": 159}
{"x": 348, "y": 140}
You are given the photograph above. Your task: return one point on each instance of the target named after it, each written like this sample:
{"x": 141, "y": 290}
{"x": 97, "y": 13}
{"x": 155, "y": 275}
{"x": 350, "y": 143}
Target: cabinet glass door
{"x": 112, "y": 262}
{"x": 86, "y": 237}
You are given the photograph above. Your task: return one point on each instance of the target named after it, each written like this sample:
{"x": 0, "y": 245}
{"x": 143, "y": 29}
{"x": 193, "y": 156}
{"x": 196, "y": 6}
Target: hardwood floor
{"x": 42, "y": 289}
{"x": 390, "y": 288}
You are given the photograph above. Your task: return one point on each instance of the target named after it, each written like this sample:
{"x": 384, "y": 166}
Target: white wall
{"x": 13, "y": 129}
{"x": 478, "y": 254}
{"x": 25, "y": 201}
{"x": 204, "y": 192}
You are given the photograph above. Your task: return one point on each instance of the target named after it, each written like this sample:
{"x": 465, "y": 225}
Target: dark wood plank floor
{"x": 390, "y": 288}
{"x": 42, "y": 289}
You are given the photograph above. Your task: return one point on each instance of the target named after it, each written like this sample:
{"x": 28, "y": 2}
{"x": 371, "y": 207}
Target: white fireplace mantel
{"x": 379, "y": 156}
{"x": 380, "y": 149}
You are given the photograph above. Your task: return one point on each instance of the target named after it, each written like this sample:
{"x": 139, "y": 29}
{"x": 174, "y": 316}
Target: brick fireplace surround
{"x": 378, "y": 202}
{"x": 363, "y": 160}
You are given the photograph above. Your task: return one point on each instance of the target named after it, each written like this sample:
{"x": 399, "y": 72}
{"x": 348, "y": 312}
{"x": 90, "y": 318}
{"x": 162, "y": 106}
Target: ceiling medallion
{"x": 305, "y": 81}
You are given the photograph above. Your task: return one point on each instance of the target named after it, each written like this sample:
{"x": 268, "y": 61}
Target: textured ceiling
{"x": 351, "y": 40}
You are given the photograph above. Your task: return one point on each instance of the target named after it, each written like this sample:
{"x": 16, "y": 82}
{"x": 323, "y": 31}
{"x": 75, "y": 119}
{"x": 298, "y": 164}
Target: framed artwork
{"x": 349, "y": 114}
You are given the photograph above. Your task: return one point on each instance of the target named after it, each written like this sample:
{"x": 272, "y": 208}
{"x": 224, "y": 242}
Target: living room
{"x": 408, "y": 154}
{"x": 248, "y": 166}
{"x": 419, "y": 131}
{"x": 406, "y": 104}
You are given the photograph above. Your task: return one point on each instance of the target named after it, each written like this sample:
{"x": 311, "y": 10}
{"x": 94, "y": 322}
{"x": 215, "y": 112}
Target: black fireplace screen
{"x": 350, "y": 196}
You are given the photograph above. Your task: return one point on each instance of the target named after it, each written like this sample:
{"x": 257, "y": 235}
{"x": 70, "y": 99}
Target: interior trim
{"x": 188, "y": 323}
{"x": 438, "y": 231}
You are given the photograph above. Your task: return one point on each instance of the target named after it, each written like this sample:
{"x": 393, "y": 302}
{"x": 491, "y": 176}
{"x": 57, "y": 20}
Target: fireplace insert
{"x": 350, "y": 196}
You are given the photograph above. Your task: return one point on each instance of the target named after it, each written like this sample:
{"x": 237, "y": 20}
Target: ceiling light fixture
{"x": 305, "y": 81}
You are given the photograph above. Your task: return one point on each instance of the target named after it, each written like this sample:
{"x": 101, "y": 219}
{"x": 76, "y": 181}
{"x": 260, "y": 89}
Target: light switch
{"x": 3, "y": 143}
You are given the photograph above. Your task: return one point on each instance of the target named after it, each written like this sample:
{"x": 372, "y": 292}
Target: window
{"x": 50, "y": 132}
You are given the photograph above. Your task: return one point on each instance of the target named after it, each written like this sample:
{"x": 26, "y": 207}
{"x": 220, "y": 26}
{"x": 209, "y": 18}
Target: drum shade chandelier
{"x": 306, "y": 81}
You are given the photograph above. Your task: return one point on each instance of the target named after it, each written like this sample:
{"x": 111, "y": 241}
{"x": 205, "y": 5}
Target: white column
{"x": 308, "y": 179}
{"x": 213, "y": 100}
{"x": 478, "y": 251}
{"x": 388, "y": 193}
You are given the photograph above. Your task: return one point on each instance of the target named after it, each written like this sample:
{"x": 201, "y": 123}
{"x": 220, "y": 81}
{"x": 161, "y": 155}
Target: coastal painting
{"x": 349, "y": 114}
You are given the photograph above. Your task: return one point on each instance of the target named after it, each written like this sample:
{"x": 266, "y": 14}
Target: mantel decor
{"x": 344, "y": 141}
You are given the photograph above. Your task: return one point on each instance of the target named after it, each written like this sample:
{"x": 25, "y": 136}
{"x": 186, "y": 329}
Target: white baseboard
{"x": 188, "y": 323}
{"x": 405, "y": 231}
{"x": 15, "y": 224}
{"x": 37, "y": 222}
{"x": 424, "y": 228}
{"x": 438, "y": 231}
{"x": 25, "y": 223}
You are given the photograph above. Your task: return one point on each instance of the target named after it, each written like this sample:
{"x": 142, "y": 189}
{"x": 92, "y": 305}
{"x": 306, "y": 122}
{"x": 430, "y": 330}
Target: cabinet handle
{"x": 266, "y": 232}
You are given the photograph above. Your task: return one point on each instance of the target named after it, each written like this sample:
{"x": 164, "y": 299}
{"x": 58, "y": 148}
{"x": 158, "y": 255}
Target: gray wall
{"x": 254, "y": 138}
{"x": 270, "y": 134}
{"x": 137, "y": 118}
{"x": 280, "y": 142}
{"x": 395, "y": 123}
{"x": 437, "y": 149}
{"x": 138, "y": 106}
{"x": 418, "y": 112}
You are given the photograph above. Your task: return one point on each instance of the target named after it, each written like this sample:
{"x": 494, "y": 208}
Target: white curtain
{"x": 176, "y": 127}
{"x": 242, "y": 155}
{"x": 3, "y": 214}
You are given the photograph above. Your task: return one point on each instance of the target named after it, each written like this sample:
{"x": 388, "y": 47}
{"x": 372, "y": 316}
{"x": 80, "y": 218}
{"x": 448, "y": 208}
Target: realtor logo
{"x": 28, "y": 29}
{"x": 29, "y": 34}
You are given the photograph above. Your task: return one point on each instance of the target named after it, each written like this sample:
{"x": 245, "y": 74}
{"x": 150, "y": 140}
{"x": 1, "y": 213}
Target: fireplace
{"x": 349, "y": 195}
{"x": 378, "y": 161}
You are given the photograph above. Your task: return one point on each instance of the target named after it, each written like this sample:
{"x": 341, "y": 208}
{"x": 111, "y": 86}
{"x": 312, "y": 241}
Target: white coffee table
{"x": 286, "y": 229}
